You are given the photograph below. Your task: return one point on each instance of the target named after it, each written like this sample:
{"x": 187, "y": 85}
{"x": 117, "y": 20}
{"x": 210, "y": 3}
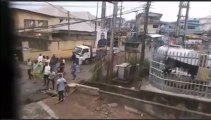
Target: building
{"x": 46, "y": 31}
{"x": 108, "y": 22}
{"x": 130, "y": 24}
{"x": 205, "y": 23}
{"x": 192, "y": 26}
{"x": 153, "y": 22}
{"x": 167, "y": 27}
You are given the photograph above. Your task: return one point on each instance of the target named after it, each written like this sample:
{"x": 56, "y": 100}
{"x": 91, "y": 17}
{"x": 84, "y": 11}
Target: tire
{"x": 86, "y": 61}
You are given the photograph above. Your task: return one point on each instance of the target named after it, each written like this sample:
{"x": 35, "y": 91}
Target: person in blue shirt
{"x": 73, "y": 69}
{"x": 61, "y": 82}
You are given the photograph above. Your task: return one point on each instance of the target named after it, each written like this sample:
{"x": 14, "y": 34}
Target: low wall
{"x": 59, "y": 48}
{"x": 165, "y": 99}
{"x": 152, "y": 108}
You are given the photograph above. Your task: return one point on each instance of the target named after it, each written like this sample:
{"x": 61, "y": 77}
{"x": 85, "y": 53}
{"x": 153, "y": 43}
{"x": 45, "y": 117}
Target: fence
{"x": 182, "y": 84}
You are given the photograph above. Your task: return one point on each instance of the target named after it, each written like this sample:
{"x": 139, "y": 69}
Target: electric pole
{"x": 96, "y": 23}
{"x": 146, "y": 13}
{"x": 68, "y": 18}
{"x": 113, "y": 30}
{"x": 103, "y": 14}
{"x": 120, "y": 24}
{"x": 182, "y": 6}
{"x": 186, "y": 19}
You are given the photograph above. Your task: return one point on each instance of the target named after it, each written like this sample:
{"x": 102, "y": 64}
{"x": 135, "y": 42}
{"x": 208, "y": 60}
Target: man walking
{"x": 60, "y": 87}
{"x": 51, "y": 79}
{"x": 73, "y": 69}
{"x": 47, "y": 71}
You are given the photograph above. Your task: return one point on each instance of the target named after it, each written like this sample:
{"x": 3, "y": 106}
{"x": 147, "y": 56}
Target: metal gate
{"x": 178, "y": 84}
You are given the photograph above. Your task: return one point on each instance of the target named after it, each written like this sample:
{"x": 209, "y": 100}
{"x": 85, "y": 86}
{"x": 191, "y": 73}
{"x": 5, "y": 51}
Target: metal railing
{"x": 182, "y": 84}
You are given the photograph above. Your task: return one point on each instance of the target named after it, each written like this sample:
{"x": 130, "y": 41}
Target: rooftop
{"x": 209, "y": 16}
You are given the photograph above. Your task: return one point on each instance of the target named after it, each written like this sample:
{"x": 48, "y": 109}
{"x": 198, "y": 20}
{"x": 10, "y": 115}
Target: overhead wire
{"x": 63, "y": 24}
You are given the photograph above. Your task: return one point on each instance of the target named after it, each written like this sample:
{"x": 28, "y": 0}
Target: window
{"x": 42, "y": 23}
{"x": 29, "y": 23}
{"x": 191, "y": 27}
{"x": 61, "y": 20}
{"x": 155, "y": 26}
{"x": 85, "y": 51}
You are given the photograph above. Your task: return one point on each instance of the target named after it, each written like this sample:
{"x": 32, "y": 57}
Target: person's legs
{"x": 29, "y": 74}
{"x": 74, "y": 75}
{"x": 52, "y": 81}
{"x": 48, "y": 80}
{"x": 45, "y": 79}
{"x": 79, "y": 68}
{"x": 62, "y": 95}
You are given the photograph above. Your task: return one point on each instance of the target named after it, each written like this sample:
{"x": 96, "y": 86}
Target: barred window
{"x": 29, "y": 23}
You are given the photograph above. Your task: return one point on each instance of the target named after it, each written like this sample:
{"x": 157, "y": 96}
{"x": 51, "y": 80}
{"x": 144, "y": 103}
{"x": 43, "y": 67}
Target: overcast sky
{"x": 168, "y": 9}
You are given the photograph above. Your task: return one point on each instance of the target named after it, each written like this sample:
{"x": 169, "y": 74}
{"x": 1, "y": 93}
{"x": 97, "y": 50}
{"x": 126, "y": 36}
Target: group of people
{"x": 45, "y": 68}
{"x": 51, "y": 69}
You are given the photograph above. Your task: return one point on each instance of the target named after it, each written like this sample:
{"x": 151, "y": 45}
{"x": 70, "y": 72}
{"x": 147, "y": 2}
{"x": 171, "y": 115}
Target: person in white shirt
{"x": 48, "y": 59}
{"x": 47, "y": 71}
{"x": 51, "y": 79}
{"x": 40, "y": 58}
{"x": 80, "y": 61}
{"x": 44, "y": 59}
{"x": 60, "y": 85}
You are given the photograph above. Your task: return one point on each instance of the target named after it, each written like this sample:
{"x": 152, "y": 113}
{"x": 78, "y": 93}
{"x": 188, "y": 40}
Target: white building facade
{"x": 205, "y": 23}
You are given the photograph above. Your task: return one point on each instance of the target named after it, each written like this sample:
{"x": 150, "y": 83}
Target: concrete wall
{"x": 20, "y": 15}
{"x": 152, "y": 108}
{"x": 59, "y": 48}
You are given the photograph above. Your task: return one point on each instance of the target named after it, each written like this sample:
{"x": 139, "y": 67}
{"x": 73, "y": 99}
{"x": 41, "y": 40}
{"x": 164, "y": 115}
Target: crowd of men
{"x": 50, "y": 70}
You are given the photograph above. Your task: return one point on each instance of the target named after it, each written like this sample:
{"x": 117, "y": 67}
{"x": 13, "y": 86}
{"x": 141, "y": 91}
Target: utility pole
{"x": 103, "y": 14}
{"x": 186, "y": 19}
{"x": 113, "y": 30}
{"x": 110, "y": 69}
{"x": 145, "y": 32}
{"x": 120, "y": 24}
{"x": 96, "y": 23}
{"x": 182, "y": 6}
{"x": 68, "y": 19}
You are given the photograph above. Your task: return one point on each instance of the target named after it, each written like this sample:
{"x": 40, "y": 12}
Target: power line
{"x": 63, "y": 24}
{"x": 90, "y": 6}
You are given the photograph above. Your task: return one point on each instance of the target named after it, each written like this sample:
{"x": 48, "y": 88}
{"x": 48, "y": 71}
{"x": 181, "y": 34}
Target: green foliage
{"x": 144, "y": 69}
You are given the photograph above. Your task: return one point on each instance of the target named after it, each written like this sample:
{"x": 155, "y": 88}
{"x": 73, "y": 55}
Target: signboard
{"x": 99, "y": 34}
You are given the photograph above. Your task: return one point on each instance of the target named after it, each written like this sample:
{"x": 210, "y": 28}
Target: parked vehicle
{"x": 90, "y": 54}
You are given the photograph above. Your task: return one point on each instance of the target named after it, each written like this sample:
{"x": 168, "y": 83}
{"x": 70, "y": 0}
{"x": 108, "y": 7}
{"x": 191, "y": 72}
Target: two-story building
{"x": 167, "y": 27}
{"x": 130, "y": 24}
{"x": 153, "y": 22}
{"x": 192, "y": 26}
{"x": 205, "y": 23}
{"x": 46, "y": 31}
{"x": 108, "y": 22}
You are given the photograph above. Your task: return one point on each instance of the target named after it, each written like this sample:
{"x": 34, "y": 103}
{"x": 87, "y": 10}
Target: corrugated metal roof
{"x": 83, "y": 15}
{"x": 52, "y": 11}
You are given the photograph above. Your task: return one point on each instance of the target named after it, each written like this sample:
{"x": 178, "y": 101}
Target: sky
{"x": 168, "y": 9}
